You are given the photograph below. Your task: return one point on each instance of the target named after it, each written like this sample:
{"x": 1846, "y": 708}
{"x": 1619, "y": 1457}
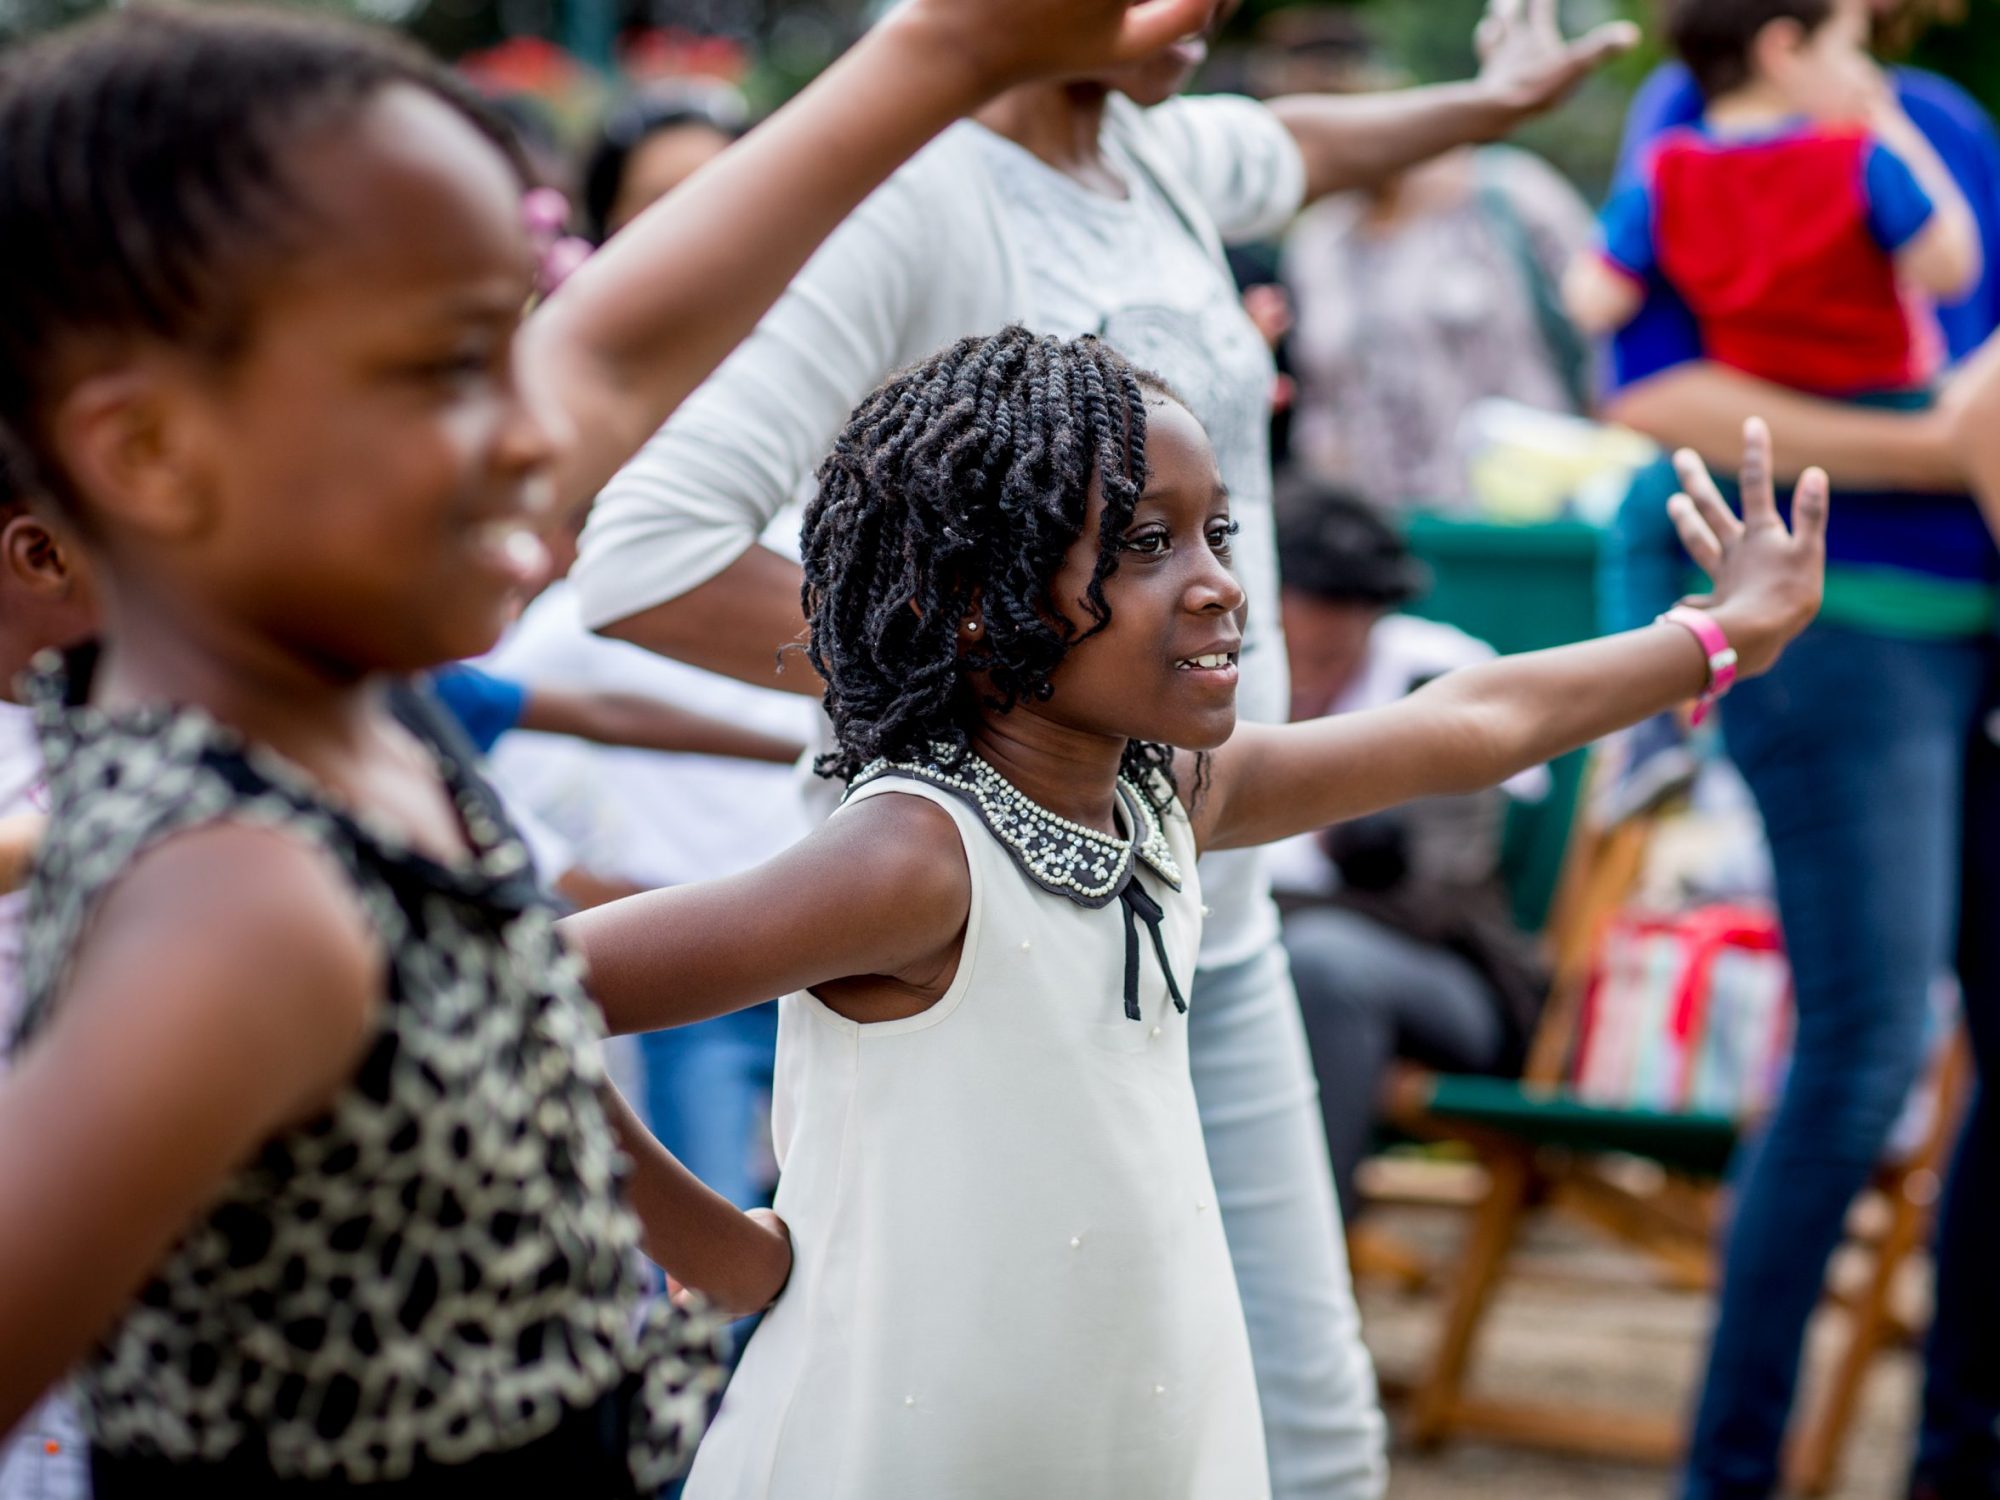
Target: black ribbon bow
{"x": 1140, "y": 907}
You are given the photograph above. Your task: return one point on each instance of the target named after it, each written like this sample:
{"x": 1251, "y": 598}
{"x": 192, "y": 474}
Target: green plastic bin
{"x": 1519, "y": 588}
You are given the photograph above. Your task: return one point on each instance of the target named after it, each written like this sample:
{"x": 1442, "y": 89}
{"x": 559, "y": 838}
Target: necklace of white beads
{"x": 1057, "y": 853}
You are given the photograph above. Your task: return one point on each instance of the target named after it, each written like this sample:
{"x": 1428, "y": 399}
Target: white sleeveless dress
{"x": 1011, "y": 1280}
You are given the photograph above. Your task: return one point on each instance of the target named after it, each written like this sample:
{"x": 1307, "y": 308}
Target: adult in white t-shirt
{"x": 1077, "y": 209}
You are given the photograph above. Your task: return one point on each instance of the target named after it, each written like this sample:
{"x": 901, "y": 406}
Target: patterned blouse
{"x": 1400, "y": 330}
{"x": 441, "y": 1266}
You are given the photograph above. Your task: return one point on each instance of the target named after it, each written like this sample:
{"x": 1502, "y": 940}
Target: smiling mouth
{"x": 1214, "y": 661}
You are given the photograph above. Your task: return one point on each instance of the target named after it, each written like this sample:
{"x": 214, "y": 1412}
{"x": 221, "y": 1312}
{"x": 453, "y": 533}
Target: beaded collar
{"x": 1063, "y": 857}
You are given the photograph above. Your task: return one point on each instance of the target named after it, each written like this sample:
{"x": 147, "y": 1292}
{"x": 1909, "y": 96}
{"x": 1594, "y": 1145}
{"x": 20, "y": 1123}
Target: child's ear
{"x": 34, "y": 557}
{"x": 1775, "y": 47}
{"x": 972, "y": 623}
{"x": 129, "y": 437}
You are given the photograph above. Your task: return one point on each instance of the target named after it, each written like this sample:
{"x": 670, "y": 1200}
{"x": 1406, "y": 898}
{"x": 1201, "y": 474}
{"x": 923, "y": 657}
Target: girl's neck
{"x": 1073, "y": 773}
{"x": 269, "y": 696}
{"x": 1061, "y": 124}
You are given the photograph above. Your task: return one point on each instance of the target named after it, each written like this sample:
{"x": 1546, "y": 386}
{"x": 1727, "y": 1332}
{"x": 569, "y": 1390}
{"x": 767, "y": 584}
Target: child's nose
{"x": 1215, "y": 589}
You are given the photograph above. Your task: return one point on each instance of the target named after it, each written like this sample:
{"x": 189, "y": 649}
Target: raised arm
{"x": 1476, "y": 727}
{"x": 1352, "y": 141}
{"x": 638, "y": 722}
{"x": 193, "y": 1037}
{"x": 650, "y": 317}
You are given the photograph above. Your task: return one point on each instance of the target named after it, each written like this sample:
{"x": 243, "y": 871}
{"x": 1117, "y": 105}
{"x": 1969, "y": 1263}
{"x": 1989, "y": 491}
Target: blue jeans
{"x": 707, "y": 1089}
{"x": 1856, "y": 750}
{"x": 1958, "y": 1448}
{"x": 1260, "y": 1118}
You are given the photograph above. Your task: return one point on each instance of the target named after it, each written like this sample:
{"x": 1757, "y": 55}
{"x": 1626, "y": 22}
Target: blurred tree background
{"x": 772, "y": 46}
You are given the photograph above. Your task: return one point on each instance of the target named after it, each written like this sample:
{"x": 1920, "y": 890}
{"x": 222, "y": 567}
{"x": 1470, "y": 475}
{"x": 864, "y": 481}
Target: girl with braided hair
{"x": 1011, "y": 1278}
{"x": 309, "y": 1157}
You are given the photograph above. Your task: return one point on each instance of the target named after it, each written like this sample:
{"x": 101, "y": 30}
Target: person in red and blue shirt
{"x": 1881, "y": 797}
{"x": 1808, "y": 281}
{"x": 1799, "y": 218}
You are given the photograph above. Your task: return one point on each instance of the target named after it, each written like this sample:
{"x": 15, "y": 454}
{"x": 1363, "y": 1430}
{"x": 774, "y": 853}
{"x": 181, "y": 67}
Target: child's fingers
{"x": 1760, "y": 495}
{"x": 1812, "y": 502}
{"x": 1696, "y": 534}
{"x": 1602, "y": 43}
{"x": 1701, "y": 490}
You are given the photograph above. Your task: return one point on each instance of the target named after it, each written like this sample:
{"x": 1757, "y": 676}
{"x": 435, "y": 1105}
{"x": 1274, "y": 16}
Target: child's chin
{"x": 1212, "y": 733}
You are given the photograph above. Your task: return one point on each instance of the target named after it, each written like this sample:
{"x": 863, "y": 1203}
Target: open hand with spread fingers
{"x": 1767, "y": 578}
{"x": 1529, "y": 65}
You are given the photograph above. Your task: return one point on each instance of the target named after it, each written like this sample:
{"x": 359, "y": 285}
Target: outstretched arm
{"x": 1357, "y": 140}
{"x": 650, "y": 317}
{"x": 638, "y": 722}
{"x": 879, "y": 890}
{"x": 1476, "y": 727}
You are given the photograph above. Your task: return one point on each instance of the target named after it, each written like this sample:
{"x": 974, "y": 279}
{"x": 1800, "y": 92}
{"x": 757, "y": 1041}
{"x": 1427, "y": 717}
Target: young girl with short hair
{"x": 309, "y": 1133}
{"x": 1010, "y": 1278}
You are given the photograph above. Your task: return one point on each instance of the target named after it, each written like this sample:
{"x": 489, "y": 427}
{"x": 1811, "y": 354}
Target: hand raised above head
{"x": 1525, "y": 60}
{"x": 1768, "y": 578}
{"x": 1017, "y": 41}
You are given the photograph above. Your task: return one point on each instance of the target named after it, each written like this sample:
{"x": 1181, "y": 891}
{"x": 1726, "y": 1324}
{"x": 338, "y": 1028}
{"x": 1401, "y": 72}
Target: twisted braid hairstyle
{"x": 144, "y": 191}
{"x": 958, "y": 486}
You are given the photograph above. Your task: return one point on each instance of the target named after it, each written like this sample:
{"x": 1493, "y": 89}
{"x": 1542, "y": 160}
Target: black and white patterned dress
{"x": 441, "y": 1267}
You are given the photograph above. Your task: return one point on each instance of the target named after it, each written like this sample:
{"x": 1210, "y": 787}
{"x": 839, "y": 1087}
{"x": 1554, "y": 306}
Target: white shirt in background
{"x": 644, "y": 815}
{"x": 972, "y": 235}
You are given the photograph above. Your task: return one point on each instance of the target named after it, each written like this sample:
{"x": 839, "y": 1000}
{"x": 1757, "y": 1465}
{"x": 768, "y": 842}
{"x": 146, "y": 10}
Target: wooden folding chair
{"x": 1542, "y": 1148}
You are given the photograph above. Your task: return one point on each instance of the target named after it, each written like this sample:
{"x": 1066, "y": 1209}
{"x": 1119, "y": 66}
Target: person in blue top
{"x": 1883, "y": 813}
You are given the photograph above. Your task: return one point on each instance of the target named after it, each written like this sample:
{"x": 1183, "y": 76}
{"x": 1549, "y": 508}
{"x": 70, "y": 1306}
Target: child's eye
{"x": 1146, "y": 543}
{"x": 1220, "y": 533}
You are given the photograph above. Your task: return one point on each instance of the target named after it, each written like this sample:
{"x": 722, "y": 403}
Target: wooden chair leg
{"x": 1816, "y": 1453}
{"x": 1488, "y": 1241}
{"x": 1913, "y": 1192}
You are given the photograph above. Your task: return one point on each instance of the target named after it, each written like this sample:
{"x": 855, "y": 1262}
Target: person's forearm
{"x": 1974, "y": 403}
{"x": 744, "y": 623}
{"x": 1701, "y": 405}
{"x": 1360, "y": 140}
{"x": 633, "y": 721}
{"x": 691, "y": 1231}
{"x": 1467, "y": 731}
{"x": 624, "y": 341}
{"x": 647, "y": 724}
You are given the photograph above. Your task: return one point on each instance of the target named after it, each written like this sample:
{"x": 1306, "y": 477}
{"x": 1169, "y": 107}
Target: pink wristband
{"x": 1721, "y": 655}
